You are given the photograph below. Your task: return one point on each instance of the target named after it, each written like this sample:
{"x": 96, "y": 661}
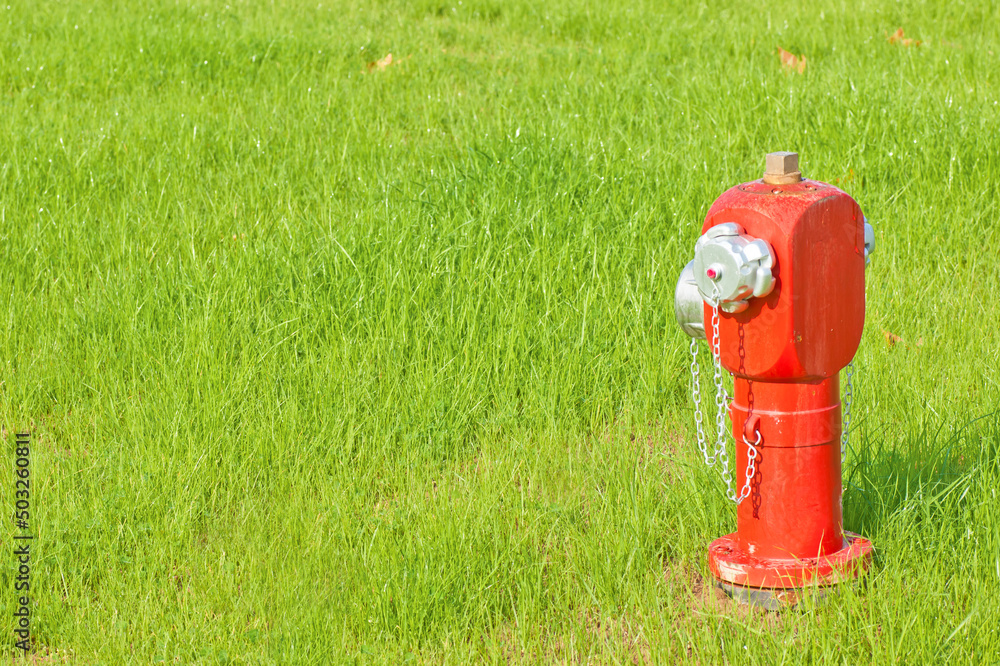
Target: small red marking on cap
{"x": 711, "y": 273}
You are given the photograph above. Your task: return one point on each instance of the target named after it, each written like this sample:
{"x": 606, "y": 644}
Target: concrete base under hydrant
{"x": 772, "y": 599}
{"x": 775, "y": 584}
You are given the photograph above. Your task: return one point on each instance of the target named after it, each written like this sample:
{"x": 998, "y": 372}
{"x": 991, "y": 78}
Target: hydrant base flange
{"x": 732, "y": 565}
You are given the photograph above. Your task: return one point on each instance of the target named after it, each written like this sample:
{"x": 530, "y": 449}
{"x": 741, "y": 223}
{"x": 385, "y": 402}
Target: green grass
{"x": 328, "y": 365}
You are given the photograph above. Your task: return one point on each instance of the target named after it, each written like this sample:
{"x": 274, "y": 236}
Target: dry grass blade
{"x": 791, "y": 61}
{"x": 905, "y": 41}
{"x": 381, "y": 63}
{"x": 891, "y": 338}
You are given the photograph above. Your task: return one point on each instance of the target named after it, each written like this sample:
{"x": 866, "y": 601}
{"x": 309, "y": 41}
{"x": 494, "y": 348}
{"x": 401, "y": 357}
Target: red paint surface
{"x": 809, "y": 327}
{"x": 786, "y": 351}
{"x": 794, "y": 506}
{"x": 730, "y": 563}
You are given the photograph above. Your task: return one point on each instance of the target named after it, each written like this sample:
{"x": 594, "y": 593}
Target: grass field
{"x": 328, "y": 362}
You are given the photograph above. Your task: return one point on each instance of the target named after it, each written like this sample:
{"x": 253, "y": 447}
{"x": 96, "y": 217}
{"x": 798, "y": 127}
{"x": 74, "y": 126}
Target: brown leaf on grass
{"x": 905, "y": 41}
{"x": 791, "y": 61}
{"x": 381, "y": 63}
{"x": 891, "y": 338}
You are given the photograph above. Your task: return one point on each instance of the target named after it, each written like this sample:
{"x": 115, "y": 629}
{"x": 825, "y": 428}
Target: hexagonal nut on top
{"x": 782, "y": 168}
{"x": 730, "y": 267}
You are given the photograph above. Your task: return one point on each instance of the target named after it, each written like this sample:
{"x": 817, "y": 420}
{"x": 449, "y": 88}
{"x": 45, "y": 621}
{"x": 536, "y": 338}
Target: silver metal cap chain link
{"x": 846, "y": 419}
{"x": 722, "y": 400}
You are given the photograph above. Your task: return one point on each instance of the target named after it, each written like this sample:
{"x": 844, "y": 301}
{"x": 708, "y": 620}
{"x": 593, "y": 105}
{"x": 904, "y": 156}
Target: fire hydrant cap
{"x": 730, "y": 267}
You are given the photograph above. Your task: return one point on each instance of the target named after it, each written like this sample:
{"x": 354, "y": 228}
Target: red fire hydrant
{"x": 777, "y": 287}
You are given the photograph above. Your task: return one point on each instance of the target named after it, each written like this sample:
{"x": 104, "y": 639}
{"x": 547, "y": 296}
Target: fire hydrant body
{"x": 785, "y": 338}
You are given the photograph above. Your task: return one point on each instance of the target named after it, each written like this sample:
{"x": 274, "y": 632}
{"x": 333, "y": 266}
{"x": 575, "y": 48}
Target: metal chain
{"x": 848, "y": 399}
{"x": 720, "y": 397}
{"x": 721, "y": 400}
{"x": 751, "y": 469}
{"x": 696, "y": 394}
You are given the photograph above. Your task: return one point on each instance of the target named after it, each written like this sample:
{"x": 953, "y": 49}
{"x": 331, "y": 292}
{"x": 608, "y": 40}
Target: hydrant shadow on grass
{"x": 885, "y": 474}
